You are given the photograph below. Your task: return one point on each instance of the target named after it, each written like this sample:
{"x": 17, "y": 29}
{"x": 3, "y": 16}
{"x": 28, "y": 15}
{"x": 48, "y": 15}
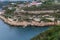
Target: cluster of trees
{"x": 9, "y": 13}
{"x": 52, "y": 34}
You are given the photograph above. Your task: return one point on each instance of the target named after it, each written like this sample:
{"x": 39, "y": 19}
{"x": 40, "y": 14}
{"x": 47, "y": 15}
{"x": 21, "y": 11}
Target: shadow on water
{"x": 8, "y": 32}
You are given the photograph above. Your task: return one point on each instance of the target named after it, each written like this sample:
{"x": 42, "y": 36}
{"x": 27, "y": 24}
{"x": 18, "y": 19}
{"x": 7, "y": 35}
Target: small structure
{"x": 13, "y": 3}
{"x": 2, "y": 12}
{"x": 10, "y": 8}
{"x": 36, "y": 19}
{"x": 21, "y": 5}
{"x": 51, "y": 19}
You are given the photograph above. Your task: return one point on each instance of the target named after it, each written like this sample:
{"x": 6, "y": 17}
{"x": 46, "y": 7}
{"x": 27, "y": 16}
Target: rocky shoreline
{"x": 25, "y": 23}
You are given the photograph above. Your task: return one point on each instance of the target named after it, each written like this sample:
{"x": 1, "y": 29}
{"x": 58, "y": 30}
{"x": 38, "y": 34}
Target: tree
{"x": 8, "y": 12}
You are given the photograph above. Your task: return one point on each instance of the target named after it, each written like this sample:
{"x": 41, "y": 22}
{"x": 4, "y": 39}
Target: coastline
{"x": 52, "y": 30}
{"x": 25, "y": 23}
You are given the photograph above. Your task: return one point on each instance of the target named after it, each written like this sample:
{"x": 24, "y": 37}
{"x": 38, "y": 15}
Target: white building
{"x": 10, "y": 8}
{"x": 13, "y": 3}
{"x": 2, "y": 12}
{"x": 36, "y": 19}
{"x": 56, "y": 1}
{"x": 51, "y": 19}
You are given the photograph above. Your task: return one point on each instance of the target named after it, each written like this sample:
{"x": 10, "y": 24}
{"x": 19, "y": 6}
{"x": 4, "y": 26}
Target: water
{"x": 18, "y": 33}
{"x": 3, "y": 4}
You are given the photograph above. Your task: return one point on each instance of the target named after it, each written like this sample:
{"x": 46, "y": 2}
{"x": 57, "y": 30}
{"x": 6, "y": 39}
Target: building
{"x": 2, "y": 12}
{"x": 34, "y": 2}
{"x": 56, "y": 1}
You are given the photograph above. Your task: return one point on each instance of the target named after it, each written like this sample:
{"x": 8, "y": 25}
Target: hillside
{"x": 52, "y": 34}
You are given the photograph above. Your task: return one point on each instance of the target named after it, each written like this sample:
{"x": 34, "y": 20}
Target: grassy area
{"x": 52, "y": 34}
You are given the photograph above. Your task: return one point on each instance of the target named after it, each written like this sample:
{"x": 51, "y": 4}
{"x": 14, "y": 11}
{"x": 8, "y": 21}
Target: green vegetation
{"x": 52, "y": 34}
{"x": 9, "y": 13}
{"x": 46, "y": 20}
